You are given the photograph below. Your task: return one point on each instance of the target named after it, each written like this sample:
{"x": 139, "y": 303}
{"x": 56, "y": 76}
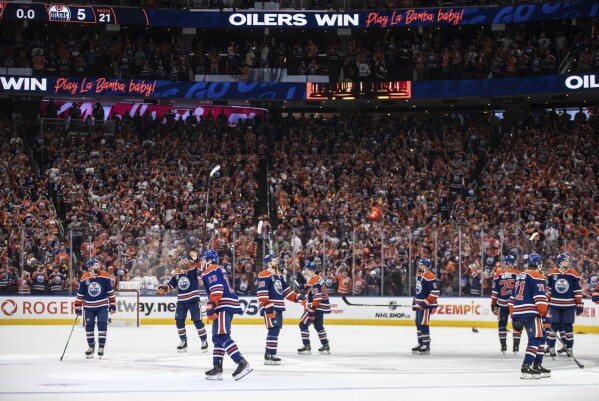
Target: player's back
{"x": 316, "y": 292}
{"x": 529, "y": 298}
{"x": 503, "y": 286}
{"x": 218, "y": 287}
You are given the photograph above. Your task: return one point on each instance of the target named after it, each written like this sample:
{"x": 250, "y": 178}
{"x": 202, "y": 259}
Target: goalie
{"x": 186, "y": 281}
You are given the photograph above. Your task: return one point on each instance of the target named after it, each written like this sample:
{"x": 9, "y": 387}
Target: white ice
{"x": 366, "y": 363}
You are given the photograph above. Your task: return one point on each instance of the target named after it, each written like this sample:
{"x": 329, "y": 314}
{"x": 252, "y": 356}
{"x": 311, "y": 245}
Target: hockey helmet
{"x": 210, "y": 256}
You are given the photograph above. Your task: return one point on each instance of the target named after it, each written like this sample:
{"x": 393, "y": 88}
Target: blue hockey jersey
{"x": 317, "y": 296}
{"x": 427, "y": 290}
{"x": 529, "y": 298}
{"x": 563, "y": 289}
{"x": 95, "y": 292}
{"x": 503, "y": 286}
{"x": 187, "y": 285}
{"x": 272, "y": 291}
{"x": 596, "y": 294}
{"x": 219, "y": 290}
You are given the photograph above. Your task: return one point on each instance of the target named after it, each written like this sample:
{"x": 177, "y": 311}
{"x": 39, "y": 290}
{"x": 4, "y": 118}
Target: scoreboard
{"x": 72, "y": 13}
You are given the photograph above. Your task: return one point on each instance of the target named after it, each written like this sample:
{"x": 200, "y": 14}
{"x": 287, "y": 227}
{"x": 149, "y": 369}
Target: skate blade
{"x": 545, "y": 375}
{"x": 305, "y": 353}
{"x": 272, "y": 362}
{"x": 243, "y": 373}
{"x": 324, "y": 352}
{"x": 424, "y": 353}
{"x": 530, "y": 376}
{"x": 215, "y": 377}
{"x": 181, "y": 351}
{"x": 503, "y": 352}
{"x": 415, "y": 352}
{"x": 89, "y": 357}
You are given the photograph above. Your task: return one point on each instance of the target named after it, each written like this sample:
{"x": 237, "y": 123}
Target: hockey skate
{"x": 204, "y": 346}
{"x": 552, "y": 353}
{"x": 305, "y": 350}
{"x": 271, "y": 359}
{"x": 182, "y": 347}
{"x": 100, "y": 352}
{"x": 416, "y": 348}
{"x": 89, "y": 354}
{"x": 544, "y": 372}
{"x": 424, "y": 350}
{"x": 325, "y": 349}
{"x": 243, "y": 369}
{"x": 503, "y": 346}
{"x": 528, "y": 372}
{"x": 516, "y": 348}
{"x": 216, "y": 373}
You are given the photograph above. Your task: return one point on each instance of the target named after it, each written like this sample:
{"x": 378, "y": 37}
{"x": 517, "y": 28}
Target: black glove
{"x": 518, "y": 325}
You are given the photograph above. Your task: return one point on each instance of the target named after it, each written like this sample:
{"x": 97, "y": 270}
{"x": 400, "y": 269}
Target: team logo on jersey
{"x": 490, "y": 261}
{"x": 328, "y": 282}
{"x": 243, "y": 286}
{"x": 57, "y": 279}
{"x": 418, "y": 287}
{"x": 562, "y": 285}
{"x": 278, "y": 287}
{"x": 184, "y": 283}
{"x": 94, "y": 289}
{"x": 40, "y": 278}
{"x": 59, "y": 13}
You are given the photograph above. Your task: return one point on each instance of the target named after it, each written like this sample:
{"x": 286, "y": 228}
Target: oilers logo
{"x": 94, "y": 289}
{"x": 58, "y": 12}
{"x": 183, "y": 283}
{"x": 278, "y": 287}
{"x": 40, "y": 278}
{"x": 57, "y": 279}
{"x": 418, "y": 287}
{"x": 562, "y": 285}
{"x": 243, "y": 286}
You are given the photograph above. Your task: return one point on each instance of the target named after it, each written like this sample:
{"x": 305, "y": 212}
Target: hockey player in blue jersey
{"x": 95, "y": 296}
{"x": 272, "y": 292}
{"x": 528, "y": 308}
{"x": 186, "y": 281}
{"x": 222, "y": 306}
{"x": 425, "y": 300}
{"x": 316, "y": 306}
{"x": 503, "y": 285}
{"x": 565, "y": 300}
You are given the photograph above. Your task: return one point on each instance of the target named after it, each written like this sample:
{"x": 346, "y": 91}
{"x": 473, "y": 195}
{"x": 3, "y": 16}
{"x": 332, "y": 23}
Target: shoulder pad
{"x": 104, "y": 274}
{"x": 264, "y": 273}
{"x": 86, "y": 276}
{"x": 535, "y": 274}
{"x": 573, "y": 272}
{"x": 429, "y": 275}
{"x": 554, "y": 271}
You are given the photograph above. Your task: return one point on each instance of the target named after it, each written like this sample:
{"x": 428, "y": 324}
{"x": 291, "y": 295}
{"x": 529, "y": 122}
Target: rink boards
{"x": 387, "y": 311}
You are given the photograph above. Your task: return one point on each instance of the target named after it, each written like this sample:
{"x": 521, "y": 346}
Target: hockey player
{"x": 528, "y": 309}
{"x": 316, "y": 306}
{"x": 503, "y": 285}
{"x": 222, "y": 305}
{"x": 96, "y": 296}
{"x": 425, "y": 300}
{"x": 565, "y": 298}
{"x": 272, "y": 292}
{"x": 596, "y": 294}
{"x": 185, "y": 280}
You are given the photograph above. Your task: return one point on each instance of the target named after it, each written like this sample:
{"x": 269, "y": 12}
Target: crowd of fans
{"x": 454, "y": 188}
{"x": 166, "y": 54}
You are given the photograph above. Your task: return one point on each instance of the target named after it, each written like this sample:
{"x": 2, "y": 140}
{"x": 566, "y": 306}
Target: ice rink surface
{"x": 366, "y": 363}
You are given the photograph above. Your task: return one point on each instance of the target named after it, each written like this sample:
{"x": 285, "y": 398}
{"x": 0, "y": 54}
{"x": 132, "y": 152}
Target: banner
{"x": 161, "y": 310}
{"x": 206, "y": 19}
{"x": 234, "y": 114}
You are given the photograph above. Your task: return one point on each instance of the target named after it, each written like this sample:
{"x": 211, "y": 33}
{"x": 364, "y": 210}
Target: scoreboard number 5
{"x": 81, "y": 14}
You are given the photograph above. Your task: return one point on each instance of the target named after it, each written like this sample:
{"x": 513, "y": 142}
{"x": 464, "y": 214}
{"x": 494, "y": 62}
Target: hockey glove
{"x": 78, "y": 311}
{"x": 270, "y": 312}
{"x": 161, "y": 289}
{"x": 546, "y": 320}
{"x": 579, "y": 309}
{"x": 518, "y": 325}
{"x": 211, "y": 311}
{"x": 112, "y": 309}
{"x": 495, "y": 310}
{"x": 301, "y": 297}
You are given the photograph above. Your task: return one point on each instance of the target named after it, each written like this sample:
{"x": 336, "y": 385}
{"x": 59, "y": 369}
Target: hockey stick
{"x": 69, "y": 339}
{"x": 391, "y": 304}
{"x": 581, "y": 366}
